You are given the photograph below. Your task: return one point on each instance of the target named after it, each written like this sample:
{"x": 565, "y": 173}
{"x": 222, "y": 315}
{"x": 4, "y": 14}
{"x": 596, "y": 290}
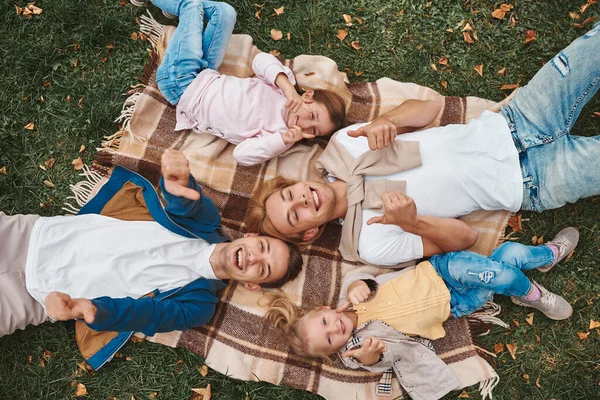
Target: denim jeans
{"x": 194, "y": 46}
{"x": 473, "y": 279}
{"x": 558, "y": 168}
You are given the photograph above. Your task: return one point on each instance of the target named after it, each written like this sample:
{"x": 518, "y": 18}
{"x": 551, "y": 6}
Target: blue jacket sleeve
{"x": 151, "y": 316}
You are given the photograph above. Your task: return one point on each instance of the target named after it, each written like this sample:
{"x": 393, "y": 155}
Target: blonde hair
{"x": 257, "y": 219}
{"x": 290, "y": 318}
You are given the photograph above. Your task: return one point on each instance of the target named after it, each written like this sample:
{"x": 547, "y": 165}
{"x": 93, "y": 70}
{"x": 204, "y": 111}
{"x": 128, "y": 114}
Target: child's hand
{"x": 175, "y": 168}
{"x": 369, "y": 352}
{"x": 380, "y": 133}
{"x": 358, "y": 292}
{"x": 295, "y": 134}
{"x": 61, "y": 307}
{"x": 295, "y": 101}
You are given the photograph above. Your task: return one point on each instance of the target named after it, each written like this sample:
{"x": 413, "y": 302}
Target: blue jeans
{"x": 558, "y": 168}
{"x": 193, "y": 46}
{"x": 473, "y": 279}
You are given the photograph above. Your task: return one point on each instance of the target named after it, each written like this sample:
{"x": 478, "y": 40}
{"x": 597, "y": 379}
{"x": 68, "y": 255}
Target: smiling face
{"x": 328, "y": 331}
{"x": 313, "y": 119}
{"x": 301, "y": 208}
{"x": 254, "y": 260}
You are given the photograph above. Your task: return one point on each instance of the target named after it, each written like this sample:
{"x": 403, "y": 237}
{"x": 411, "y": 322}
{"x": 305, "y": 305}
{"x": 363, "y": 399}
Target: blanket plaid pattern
{"x": 237, "y": 341}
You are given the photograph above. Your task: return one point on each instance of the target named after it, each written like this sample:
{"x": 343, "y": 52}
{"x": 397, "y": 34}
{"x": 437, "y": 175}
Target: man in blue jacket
{"x": 154, "y": 269}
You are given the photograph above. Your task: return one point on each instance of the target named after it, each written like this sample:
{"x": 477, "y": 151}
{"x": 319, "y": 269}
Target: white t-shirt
{"x": 465, "y": 168}
{"x": 92, "y": 255}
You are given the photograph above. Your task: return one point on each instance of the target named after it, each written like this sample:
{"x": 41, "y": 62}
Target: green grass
{"x": 399, "y": 44}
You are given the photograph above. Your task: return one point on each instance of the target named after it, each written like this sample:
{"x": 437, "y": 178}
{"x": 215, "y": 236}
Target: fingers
{"x": 347, "y": 303}
{"x": 307, "y": 136}
{"x": 376, "y": 220}
{"x": 349, "y": 353}
{"x": 181, "y": 191}
{"x": 357, "y": 133}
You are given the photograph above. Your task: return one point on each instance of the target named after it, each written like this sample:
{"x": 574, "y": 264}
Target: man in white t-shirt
{"x": 520, "y": 158}
{"x": 98, "y": 268}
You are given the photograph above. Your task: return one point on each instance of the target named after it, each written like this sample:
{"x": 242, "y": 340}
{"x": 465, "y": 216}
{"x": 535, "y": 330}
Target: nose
{"x": 254, "y": 257}
{"x": 301, "y": 201}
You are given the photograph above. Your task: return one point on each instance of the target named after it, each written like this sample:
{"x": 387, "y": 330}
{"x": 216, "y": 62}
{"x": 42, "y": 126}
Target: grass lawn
{"x": 66, "y": 72}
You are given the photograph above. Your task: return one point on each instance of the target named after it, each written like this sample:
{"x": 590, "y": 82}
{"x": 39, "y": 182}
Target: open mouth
{"x": 343, "y": 327}
{"x": 316, "y": 198}
{"x": 238, "y": 259}
{"x": 297, "y": 119}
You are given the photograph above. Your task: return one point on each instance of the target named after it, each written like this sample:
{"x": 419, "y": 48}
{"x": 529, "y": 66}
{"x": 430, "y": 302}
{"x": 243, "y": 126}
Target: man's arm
{"x": 438, "y": 234}
{"x": 407, "y": 117}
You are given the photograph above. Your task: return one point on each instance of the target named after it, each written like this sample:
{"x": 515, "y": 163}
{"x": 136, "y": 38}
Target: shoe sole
{"x": 549, "y": 267}
{"x": 139, "y": 3}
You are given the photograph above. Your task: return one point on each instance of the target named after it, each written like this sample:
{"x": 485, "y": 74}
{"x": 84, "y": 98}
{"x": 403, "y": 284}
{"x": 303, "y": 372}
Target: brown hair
{"x": 294, "y": 268}
{"x": 258, "y": 221}
{"x": 335, "y": 106}
{"x": 286, "y": 315}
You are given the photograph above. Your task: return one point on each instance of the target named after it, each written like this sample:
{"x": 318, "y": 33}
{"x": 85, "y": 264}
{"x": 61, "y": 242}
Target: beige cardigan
{"x": 335, "y": 160}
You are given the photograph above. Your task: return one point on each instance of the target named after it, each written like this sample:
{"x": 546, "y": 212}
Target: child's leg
{"x": 220, "y": 19}
{"x": 17, "y": 308}
{"x": 523, "y": 257}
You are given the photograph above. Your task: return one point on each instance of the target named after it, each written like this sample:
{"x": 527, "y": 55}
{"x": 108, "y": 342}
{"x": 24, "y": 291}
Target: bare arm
{"x": 438, "y": 234}
{"x": 407, "y": 117}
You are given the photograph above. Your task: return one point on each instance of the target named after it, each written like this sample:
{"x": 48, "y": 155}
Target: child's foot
{"x": 566, "y": 241}
{"x": 551, "y": 304}
{"x": 140, "y": 3}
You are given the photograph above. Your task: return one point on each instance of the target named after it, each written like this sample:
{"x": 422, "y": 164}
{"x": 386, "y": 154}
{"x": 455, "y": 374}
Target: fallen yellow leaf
{"x": 341, "y": 34}
{"x": 444, "y": 84}
{"x": 540, "y": 240}
{"x": 467, "y": 27}
{"x": 279, "y": 11}
{"x": 77, "y": 163}
{"x": 434, "y": 67}
{"x": 443, "y": 61}
{"x": 594, "y": 324}
{"x": 530, "y": 37}
{"x": 203, "y": 370}
{"x": 81, "y": 390}
{"x": 537, "y": 382}
{"x": 479, "y": 69}
{"x": 467, "y": 37}
{"x": 49, "y": 184}
{"x": 529, "y": 318}
{"x": 289, "y": 36}
{"x": 498, "y": 347}
{"x": 499, "y": 13}
{"x": 526, "y": 377}
{"x": 502, "y": 71}
{"x": 276, "y": 34}
{"x": 3, "y": 170}
{"x": 583, "y": 335}
{"x": 50, "y": 162}
{"x": 512, "y": 349}
{"x": 356, "y": 44}
{"x": 464, "y": 395}
{"x": 509, "y": 86}
{"x": 134, "y": 36}
{"x": 347, "y": 19}
{"x": 30, "y": 126}
{"x": 82, "y": 148}
{"x": 574, "y": 15}
{"x": 206, "y": 393}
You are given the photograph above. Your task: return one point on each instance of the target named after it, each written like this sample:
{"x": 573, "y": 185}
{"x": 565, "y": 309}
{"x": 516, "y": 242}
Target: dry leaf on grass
{"x": 594, "y": 324}
{"x": 537, "y": 382}
{"x": 152, "y": 395}
{"x": 276, "y": 53}
{"x": 529, "y": 318}
{"x": 500, "y": 12}
{"x": 289, "y": 36}
{"x": 574, "y": 15}
{"x": 49, "y": 184}
{"x": 444, "y": 84}
{"x": 355, "y": 44}
{"x": 540, "y": 240}
{"x": 498, "y": 347}
{"x": 467, "y": 27}
{"x": 530, "y": 37}
{"x": 464, "y": 395}
{"x": 81, "y": 390}
{"x": 526, "y": 377}
{"x": 203, "y": 370}
{"x": 443, "y": 61}
{"x": 583, "y": 335}
{"x": 347, "y": 19}
{"x": 134, "y": 36}
{"x": 30, "y": 126}
{"x": 434, "y": 67}
{"x": 204, "y": 393}
{"x": 77, "y": 164}
{"x": 3, "y": 170}
{"x": 82, "y": 148}
{"x": 585, "y": 6}
{"x": 512, "y": 349}
{"x": 279, "y": 11}
{"x": 276, "y": 34}
{"x": 479, "y": 69}
{"x": 467, "y": 37}
{"x": 50, "y": 162}
{"x": 341, "y": 34}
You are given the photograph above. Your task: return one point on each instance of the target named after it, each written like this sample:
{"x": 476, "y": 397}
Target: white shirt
{"x": 92, "y": 255}
{"x": 465, "y": 168}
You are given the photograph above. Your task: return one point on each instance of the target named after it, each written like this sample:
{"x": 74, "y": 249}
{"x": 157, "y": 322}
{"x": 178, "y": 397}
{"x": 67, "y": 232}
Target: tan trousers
{"x": 17, "y": 308}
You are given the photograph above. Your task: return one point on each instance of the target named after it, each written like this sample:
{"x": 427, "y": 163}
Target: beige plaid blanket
{"x": 237, "y": 341}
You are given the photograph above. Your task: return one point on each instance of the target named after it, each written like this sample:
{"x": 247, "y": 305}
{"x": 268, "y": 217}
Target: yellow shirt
{"x": 414, "y": 303}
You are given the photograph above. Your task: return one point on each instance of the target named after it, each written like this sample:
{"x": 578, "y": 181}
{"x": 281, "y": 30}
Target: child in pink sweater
{"x": 263, "y": 116}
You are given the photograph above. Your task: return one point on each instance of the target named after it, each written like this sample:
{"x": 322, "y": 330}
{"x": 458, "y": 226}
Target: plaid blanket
{"x": 237, "y": 341}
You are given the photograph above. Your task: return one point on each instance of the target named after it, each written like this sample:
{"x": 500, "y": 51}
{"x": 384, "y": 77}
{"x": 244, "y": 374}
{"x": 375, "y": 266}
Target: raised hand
{"x": 400, "y": 210}
{"x": 369, "y": 352}
{"x": 295, "y": 134}
{"x": 294, "y": 101}
{"x": 358, "y": 292}
{"x": 380, "y": 133}
{"x": 61, "y": 307}
{"x": 175, "y": 168}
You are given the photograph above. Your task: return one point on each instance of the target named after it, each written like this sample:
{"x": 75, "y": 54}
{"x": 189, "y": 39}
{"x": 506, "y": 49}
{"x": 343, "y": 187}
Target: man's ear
{"x": 252, "y": 286}
{"x": 309, "y": 234}
{"x": 308, "y": 96}
{"x": 250, "y": 234}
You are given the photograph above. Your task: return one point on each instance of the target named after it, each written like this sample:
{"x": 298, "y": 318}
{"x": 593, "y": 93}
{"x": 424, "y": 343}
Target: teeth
{"x": 316, "y": 198}
{"x": 239, "y": 258}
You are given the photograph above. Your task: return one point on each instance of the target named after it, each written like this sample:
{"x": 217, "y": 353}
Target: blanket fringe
{"x": 125, "y": 119}
{"x": 486, "y": 387}
{"x": 82, "y": 190}
{"x": 481, "y": 321}
{"x": 152, "y": 29}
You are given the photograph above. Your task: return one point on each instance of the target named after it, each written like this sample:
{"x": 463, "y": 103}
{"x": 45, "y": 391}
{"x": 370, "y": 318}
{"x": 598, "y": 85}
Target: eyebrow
{"x": 269, "y": 264}
{"x": 317, "y": 118}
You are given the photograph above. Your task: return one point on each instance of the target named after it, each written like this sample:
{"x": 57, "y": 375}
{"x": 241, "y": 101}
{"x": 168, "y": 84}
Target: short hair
{"x": 258, "y": 221}
{"x": 294, "y": 268}
{"x": 335, "y": 106}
